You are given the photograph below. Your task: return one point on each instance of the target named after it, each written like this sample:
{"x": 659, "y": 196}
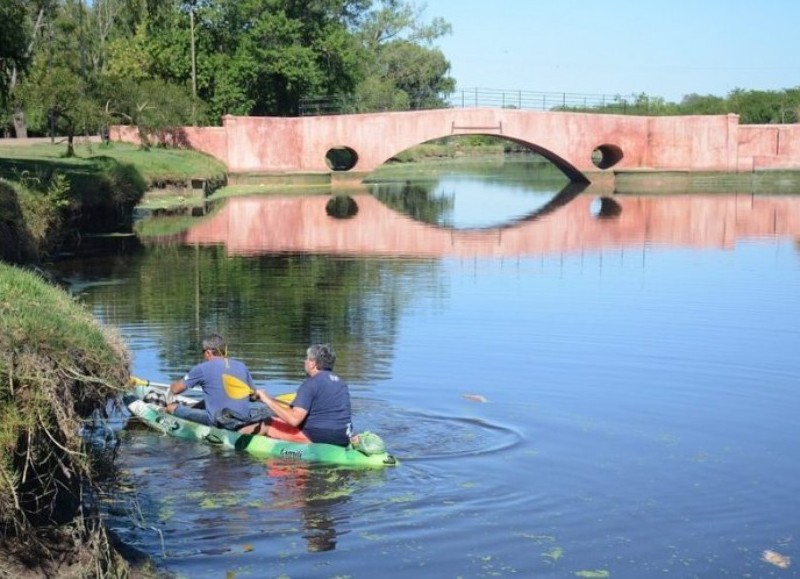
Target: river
{"x": 574, "y": 386}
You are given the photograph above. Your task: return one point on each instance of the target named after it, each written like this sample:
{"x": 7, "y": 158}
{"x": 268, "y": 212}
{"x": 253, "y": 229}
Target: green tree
{"x": 256, "y": 56}
{"x": 156, "y": 108}
{"x": 127, "y": 57}
{"x": 695, "y": 104}
{"x": 21, "y": 23}
{"x": 56, "y": 89}
{"x": 15, "y": 30}
{"x": 764, "y": 107}
{"x": 60, "y": 95}
{"x": 419, "y": 72}
{"x": 403, "y": 71}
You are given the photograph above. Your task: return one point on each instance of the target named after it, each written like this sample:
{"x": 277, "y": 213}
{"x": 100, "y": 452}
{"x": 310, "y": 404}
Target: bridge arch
{"x": 570, "y": 171}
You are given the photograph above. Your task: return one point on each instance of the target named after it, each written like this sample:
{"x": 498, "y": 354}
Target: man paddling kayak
{"x": 226, "y": 384}
{"x": 320, "y": 411}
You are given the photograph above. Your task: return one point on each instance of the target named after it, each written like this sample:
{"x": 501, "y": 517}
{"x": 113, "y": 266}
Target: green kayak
{"x": 259, "y": 446}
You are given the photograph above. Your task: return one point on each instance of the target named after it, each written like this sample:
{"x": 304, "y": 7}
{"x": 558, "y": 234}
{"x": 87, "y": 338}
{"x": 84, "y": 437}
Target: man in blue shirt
{"x": 226, "y": 383}
{"x": 320, "y": 411}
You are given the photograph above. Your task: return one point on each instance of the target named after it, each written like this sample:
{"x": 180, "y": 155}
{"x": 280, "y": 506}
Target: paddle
{"x": 235, "y": 388}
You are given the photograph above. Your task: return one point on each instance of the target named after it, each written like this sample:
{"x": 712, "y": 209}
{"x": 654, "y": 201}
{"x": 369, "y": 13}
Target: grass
{"x": 57, "y": 364}
{"x": 156, "y": 165}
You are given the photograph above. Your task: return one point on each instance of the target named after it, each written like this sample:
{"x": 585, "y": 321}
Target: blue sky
{"x": 664, "y": 49}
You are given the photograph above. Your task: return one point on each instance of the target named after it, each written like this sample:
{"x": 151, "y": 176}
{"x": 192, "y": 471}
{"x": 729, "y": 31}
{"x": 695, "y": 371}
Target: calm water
{"x": 596, "y": 389}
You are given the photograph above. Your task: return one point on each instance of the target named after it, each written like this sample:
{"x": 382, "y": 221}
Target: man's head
{"x": 322, "y": 355}
{"x": 215, "y": 344}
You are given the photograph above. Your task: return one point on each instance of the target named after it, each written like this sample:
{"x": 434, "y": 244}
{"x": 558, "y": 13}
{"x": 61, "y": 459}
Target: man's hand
{"x": 262, "y": 396}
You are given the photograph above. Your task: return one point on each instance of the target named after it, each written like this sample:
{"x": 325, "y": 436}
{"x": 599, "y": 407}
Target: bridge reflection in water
{"x": 582, "y": 222}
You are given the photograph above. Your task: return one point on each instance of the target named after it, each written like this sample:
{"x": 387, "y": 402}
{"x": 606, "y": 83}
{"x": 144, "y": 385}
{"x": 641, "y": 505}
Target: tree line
{"x": 754, "y": 107}
{"x": 71, "y": 67}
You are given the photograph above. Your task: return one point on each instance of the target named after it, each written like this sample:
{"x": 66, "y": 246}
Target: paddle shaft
{"x": 285, "y": 398}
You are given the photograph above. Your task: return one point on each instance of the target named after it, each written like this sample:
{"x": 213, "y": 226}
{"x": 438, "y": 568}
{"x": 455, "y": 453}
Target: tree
{"x": 257, "y": 56}
{"x": 695, "y": 104}
{"x": 158, "y": 109}
{"x": 15, "y": 32}
{"x": 60, "y": 95}
{"x": 404, "y": 71}
{"x": 419, "y": 72}
{"x": 764, "y": 107}
{"x": 19, "y": 37}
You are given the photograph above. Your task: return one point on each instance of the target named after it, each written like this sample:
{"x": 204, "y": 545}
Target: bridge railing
{"x": 482, "y": 98}
{"x": 532, "y": 100}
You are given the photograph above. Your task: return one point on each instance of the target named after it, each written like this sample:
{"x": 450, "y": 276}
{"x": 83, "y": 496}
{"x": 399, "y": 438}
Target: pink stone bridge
{"x": 267, "y": 224}
{"x": 586, "y": 147}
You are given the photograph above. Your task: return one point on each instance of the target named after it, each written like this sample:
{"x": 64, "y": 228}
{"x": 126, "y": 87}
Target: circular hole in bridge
{"x": 606, "y": 156}
{"x": 341, "y": 158}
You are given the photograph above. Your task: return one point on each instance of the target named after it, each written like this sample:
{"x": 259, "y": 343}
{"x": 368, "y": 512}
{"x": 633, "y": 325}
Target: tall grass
{"x": 57, "y": 364}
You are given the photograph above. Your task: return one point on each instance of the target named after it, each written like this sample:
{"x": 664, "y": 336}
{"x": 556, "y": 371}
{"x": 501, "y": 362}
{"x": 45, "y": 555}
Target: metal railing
{"x": 532, "y": 100}
{"x": 483, "y": 98}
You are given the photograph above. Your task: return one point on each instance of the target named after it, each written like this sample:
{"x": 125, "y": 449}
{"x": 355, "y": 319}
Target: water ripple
{"x": 420, "y": 436}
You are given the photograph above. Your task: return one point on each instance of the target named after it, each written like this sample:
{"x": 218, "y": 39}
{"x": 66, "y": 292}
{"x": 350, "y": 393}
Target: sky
{"x": 666, "y": 49}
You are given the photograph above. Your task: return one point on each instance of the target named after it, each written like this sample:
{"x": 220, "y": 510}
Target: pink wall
{"x": 688, "y": 143}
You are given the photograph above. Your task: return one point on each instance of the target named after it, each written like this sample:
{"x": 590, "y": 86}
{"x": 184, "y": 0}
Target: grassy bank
{"x": 57, "y": 364}
{"x": 49, "y": 200}
{"x": 156, "y": 166}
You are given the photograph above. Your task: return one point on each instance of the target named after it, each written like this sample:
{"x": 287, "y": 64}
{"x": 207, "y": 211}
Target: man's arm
{"x": 177, "y": 387}
{"x": 290, "y": 414}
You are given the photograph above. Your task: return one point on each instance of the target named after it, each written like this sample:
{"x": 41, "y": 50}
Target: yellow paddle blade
{"x": 138, "y": 381}
{"x": 287, "y": 398}
{"x": 235, "y": 388}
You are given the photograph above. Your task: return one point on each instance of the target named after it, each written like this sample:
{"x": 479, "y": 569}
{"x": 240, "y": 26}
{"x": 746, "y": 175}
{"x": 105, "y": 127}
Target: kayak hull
{"x": 255, "y": 445}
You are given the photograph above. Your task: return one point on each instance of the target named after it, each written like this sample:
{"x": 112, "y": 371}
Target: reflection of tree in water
{"x": 270, "y": 308}
{"x": 416, "y": 196}
{"x": 415, "y": 200}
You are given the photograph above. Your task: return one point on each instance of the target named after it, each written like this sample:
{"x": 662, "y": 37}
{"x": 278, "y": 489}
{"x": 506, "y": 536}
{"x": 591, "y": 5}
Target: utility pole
{"x": 194, "y": 70}
{"x": 194, "y": 66}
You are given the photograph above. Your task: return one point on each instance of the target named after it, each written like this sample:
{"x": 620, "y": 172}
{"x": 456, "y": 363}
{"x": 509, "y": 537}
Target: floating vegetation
{"x": 405, "y": 498}
{"x": 554, "y": 554}
{"x": 596, "y": 574}
{"x": 167, "y": 509}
